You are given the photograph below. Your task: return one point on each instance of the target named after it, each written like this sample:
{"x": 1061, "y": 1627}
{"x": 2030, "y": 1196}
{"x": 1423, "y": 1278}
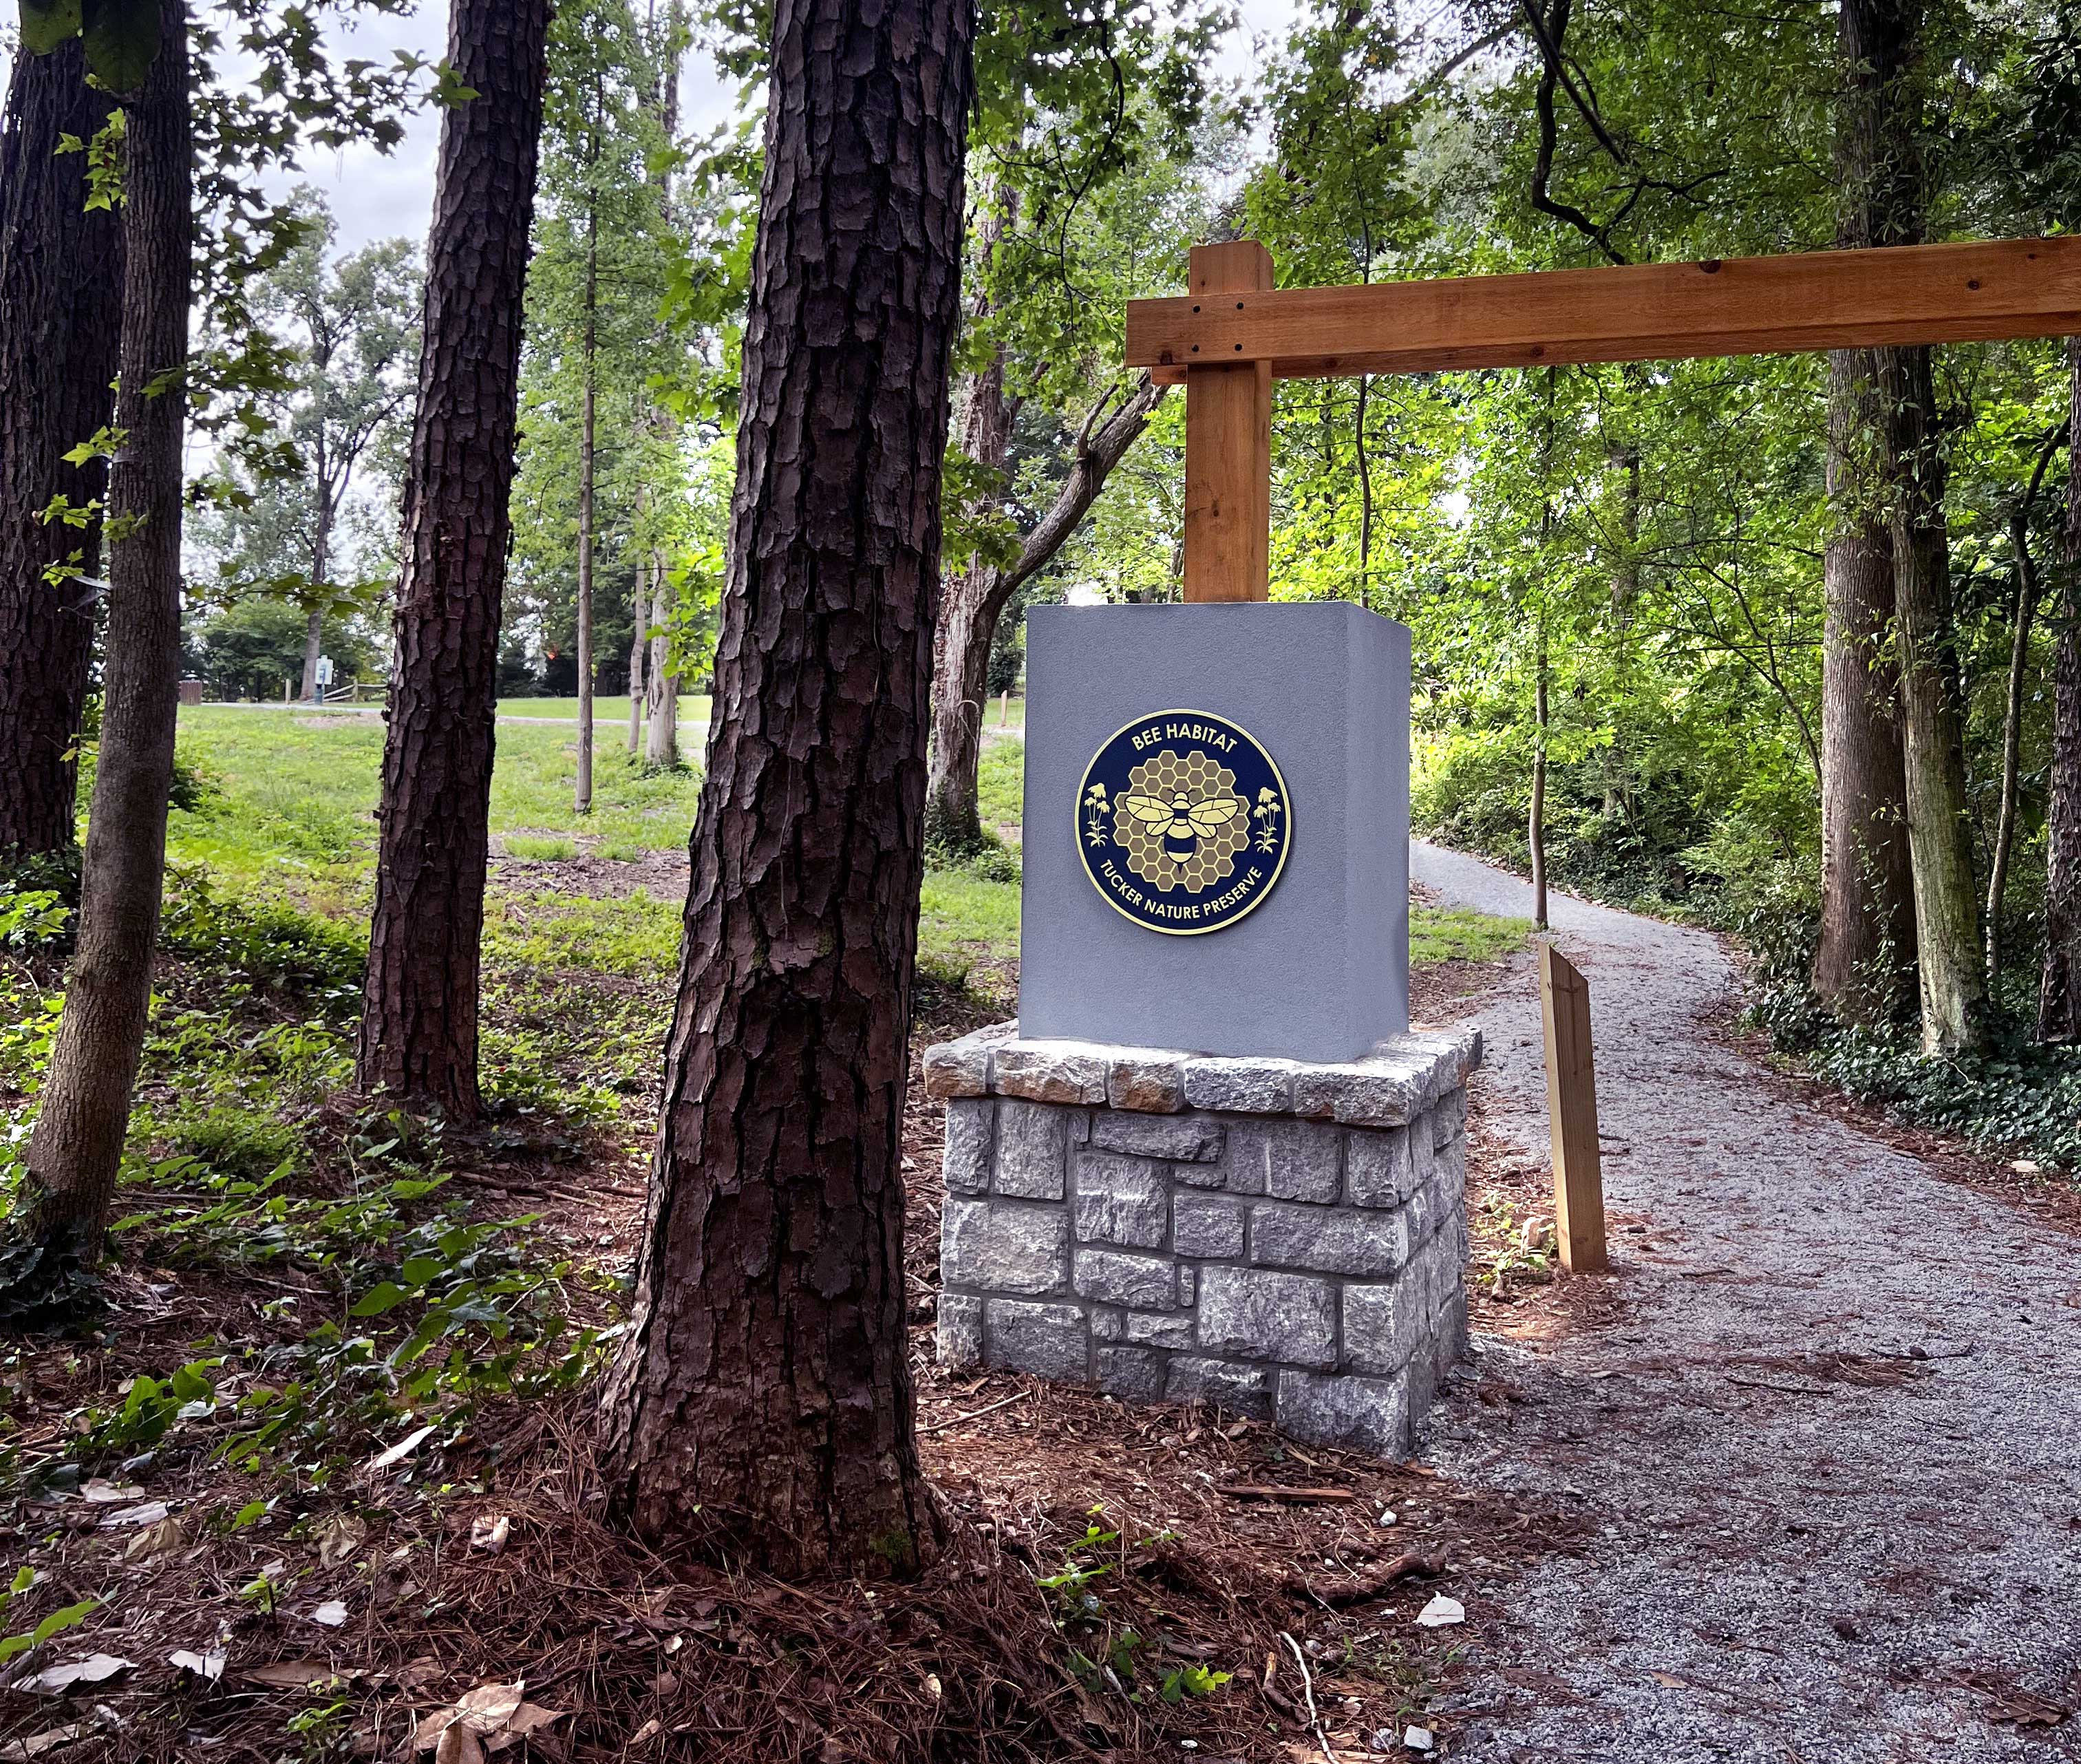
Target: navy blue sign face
{"x": 1183, "y": 821}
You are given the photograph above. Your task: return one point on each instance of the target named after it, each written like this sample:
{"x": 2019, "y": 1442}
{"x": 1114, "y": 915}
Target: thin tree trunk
{"x": 2059, "y": 1000}
{"x": 1365, "y": 491}
{"x": 1868, "y": 943}
{"x": 2026, "y": 611}
{"x": 588, "y": 447}
{"x": 974, "y": 601}
{"x": 320, "y": 567}
{"x": 418, "y": 1025}
{"x": 639, "y": 645}
{"x": 660, "y": 750}
{"x": 77, "y": 1144}
{"x": 1624, "y": 457}
{"x": 1536, "y": 823}
{"x": 1940, "y": 835}
{"x": 661, "y": 747}
{"x": 764, "y": 1392}
{"x": 60, "y": 324}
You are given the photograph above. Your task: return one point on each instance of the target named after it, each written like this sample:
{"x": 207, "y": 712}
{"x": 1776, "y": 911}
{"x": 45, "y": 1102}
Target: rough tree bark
{"x": 1940, "y": 832}
{"x": 77, "y": 1145}
{"x": 1888, "y": 469}
{"x": 418, "y": 1026}
{"x": 974, "y": 600}
{"x": 1864, "y": 960}
{"x": 60, "y": 324}
{"x": 763, "y": 1395}
{"x": 2059, "y": 1000}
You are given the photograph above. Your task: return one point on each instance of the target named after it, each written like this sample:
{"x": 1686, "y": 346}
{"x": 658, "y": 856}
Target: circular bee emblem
{"x": 1183, "y": 821}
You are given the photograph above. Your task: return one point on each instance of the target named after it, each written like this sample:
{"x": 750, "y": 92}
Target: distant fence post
{"x": 1571, "y": 1101}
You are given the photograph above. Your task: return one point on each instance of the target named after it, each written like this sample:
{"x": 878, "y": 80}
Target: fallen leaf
{"x": 1440, "y": 1611}
{"x": 487, "y": 1533}
{"x": 524, "y": 1720}
{"x": 54, "y": 1681}
{"x": 338, "y": 1538}
{"x": 149, "y": 1513}
{"x": 332, "y": 1614}
{"x": 98, "y": 1491}
{"x": 155, "y": 1540}
{"x": 489, "y": 1707}
{"x": 293, "y": 1674}
{"x": 404, "y": 1449}
{"x": 417, "y": 1675}
{"x": 458, "y": 1745}
{"x": 19, "y": 1751}
{"x": 650, "y": 1730}
{"x": 209, "y": 1666}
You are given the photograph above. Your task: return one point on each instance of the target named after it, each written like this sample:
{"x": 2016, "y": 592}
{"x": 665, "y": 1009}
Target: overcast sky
{"x": 377, "y": 196}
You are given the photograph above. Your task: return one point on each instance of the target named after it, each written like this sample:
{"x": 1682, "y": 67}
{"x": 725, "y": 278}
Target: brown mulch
{"x": 1207, "y": 1568}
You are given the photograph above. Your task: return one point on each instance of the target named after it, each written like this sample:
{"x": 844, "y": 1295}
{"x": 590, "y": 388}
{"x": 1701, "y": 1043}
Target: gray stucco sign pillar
{"x": 1209, "y": 1160}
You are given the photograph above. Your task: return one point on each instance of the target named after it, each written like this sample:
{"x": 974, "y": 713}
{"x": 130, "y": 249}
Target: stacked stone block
{"x": 1286, "y": 1239}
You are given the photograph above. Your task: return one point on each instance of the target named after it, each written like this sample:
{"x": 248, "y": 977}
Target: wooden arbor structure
{"x": 1228, "y": 339}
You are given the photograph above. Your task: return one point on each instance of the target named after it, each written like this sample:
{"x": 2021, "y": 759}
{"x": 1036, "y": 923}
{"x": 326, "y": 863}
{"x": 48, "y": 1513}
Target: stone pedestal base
{"x": 1287, "y": 1240}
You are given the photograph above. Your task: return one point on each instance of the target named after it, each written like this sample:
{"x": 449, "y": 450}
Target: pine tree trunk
{"x": 77, "y": 1145}
{"x": 1864, "y": 960}
{"x": 2059, "y": 1000}
{"x": 974, "y": 601}
{"x": 60, "y": 325}
{"x": 763, "y": 1393}
{"x": 418, "y": 1026}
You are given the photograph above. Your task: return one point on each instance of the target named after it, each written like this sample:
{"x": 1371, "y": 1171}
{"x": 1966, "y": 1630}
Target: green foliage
{"x": 56, "y": 1623}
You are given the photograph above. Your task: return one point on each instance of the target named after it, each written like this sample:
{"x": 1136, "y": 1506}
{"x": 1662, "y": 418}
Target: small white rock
{"x": 1418, "y": 1739}
{"x": 1387, "y": 1517}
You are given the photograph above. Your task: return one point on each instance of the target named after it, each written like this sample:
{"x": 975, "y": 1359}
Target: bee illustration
{"x": 1184, "y": 822}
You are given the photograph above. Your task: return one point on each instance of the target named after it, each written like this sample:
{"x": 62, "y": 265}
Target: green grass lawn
{"x": 693, "y": 708}
{"x": 292, "y": 807}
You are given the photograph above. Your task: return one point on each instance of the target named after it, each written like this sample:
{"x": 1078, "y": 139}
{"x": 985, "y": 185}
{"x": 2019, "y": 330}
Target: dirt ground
{"x": 1798, "y": 1481}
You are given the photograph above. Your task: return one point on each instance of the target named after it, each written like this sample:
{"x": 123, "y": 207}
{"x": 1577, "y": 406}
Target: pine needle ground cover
{"x": 314, "y": 1481}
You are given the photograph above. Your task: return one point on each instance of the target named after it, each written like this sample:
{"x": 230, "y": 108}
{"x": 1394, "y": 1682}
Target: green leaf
{"x": 386, "y": 1296}
{"x": 48, "y": 23}
{"x": 122, "y": 39}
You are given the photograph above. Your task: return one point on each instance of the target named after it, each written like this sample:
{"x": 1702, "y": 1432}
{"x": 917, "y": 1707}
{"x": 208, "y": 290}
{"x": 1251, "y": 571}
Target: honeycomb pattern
{"x": 1196, "y": 777}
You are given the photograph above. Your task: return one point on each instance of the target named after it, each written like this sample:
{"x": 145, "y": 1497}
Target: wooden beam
{"x": 1228, "y": 443}
{"x": 1733, "y": 306}
{"x": 1572, "y": 1102}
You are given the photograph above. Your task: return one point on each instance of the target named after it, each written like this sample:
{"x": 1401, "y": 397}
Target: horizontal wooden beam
{"x": 1649, "y": 312}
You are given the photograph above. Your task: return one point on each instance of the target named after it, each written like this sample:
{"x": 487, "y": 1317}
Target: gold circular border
{"x": 1285, "y": 845}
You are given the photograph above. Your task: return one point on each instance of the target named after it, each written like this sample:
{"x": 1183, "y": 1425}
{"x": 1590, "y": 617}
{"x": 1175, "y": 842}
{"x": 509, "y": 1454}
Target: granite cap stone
{"x": 1391, "y": 1086}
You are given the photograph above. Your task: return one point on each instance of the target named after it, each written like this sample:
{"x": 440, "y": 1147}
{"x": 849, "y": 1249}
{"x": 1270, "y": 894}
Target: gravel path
{"x": 1789, "y": 1554}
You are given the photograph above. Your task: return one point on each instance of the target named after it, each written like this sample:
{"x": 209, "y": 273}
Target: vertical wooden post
{"x": 1571, "y": 1101}
{"x": 1228, "y": 443}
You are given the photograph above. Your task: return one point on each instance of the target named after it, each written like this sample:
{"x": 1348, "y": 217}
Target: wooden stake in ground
{"x": 1571, "y": 1101}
